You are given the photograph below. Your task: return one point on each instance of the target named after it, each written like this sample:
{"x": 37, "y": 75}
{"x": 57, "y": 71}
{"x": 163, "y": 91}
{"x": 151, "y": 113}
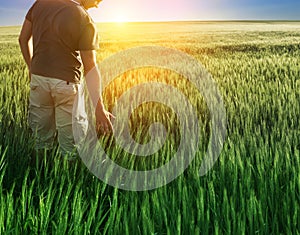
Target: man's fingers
{"x": 111, "y": 116}
{"x": 103, "y": 123}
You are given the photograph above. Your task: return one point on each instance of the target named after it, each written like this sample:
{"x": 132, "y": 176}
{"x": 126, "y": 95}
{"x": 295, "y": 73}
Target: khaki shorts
{"x": 51, "y": 104}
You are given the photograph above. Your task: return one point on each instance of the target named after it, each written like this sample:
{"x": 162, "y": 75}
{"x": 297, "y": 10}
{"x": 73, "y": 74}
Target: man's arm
{"x": 25, "y": 42}
{"x": 93, "y": 81}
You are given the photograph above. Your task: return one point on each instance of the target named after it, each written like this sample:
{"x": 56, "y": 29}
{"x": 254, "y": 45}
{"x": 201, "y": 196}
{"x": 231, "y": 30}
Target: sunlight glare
{"x": 120, "y": 19}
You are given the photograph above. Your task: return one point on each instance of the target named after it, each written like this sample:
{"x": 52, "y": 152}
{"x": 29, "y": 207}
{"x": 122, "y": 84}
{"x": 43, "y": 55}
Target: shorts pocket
{"x": 66, "y": 88}
{"x": 33, "y": 86}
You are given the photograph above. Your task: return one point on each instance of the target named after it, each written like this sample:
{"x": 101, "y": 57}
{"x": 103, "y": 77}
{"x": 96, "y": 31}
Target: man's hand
{"x": 103, "y": 119}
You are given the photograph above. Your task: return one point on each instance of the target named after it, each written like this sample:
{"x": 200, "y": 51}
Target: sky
{"x": 12, "y": 12}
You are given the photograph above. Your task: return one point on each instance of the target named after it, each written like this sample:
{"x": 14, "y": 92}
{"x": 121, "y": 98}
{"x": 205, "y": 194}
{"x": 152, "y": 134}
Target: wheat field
{"x": 254, "y": 186}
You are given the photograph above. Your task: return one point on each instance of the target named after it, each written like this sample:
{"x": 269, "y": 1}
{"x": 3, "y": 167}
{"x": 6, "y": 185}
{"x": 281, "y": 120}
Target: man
{"x": 63, "y": 35}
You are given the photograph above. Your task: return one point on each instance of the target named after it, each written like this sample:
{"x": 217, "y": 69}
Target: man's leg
{"x": 41, "y": 119}
{"x": 64, "y": 95}
{"x": 41, "y": 115}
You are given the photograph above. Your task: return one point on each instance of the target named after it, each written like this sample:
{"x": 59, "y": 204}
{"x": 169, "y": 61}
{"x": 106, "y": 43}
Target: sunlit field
{"x": 254, "y": 187}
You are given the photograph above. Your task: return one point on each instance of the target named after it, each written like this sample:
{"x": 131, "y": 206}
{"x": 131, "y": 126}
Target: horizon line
{"x": 187, "y": 20}
{"x": 203, "y": 20}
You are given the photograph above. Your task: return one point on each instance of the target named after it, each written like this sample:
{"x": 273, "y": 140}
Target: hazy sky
{"x": 12, "y": 12}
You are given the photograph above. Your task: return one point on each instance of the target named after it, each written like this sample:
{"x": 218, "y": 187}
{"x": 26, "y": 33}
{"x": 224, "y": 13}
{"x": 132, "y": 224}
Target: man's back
{"x": 60, "y": 28}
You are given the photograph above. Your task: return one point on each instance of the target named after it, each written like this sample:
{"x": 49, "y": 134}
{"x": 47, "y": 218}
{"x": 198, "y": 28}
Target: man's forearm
{"x": 26, "y": 51}
{"x": 25, "y": 42}
{"x": 93, "y": 82}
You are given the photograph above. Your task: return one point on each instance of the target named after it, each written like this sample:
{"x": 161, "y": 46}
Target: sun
{"x": 120, "y": 19}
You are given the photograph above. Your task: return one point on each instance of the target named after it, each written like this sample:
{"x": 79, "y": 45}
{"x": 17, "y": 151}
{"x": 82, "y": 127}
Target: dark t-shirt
{"x": 60, "y": 30}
